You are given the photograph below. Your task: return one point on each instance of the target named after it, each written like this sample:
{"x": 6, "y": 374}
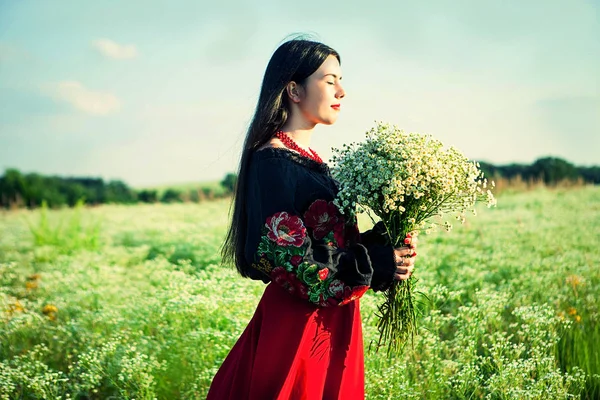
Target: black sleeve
{"x": 381, "y": 252}
{"x": 304, "y": 251}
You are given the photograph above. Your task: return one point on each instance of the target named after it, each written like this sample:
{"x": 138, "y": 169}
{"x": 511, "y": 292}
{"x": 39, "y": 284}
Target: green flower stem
{"x": 397, "y": 315}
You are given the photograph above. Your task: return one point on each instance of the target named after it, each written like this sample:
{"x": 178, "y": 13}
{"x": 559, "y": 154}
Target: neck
{"x": 299, "y": 130}
{"x": 291, "y": 144}
{"x": 301, "y": 137}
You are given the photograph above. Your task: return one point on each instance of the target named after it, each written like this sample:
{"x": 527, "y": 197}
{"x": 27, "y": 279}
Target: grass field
{"x": 129, "y": 302}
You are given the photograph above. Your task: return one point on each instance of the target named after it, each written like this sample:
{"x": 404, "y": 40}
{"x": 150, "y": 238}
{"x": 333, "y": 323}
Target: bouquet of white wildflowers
{"x": 412, "y": 183}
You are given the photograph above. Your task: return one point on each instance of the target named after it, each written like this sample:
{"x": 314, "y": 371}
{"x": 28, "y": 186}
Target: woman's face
{"x": 320, "y": 99}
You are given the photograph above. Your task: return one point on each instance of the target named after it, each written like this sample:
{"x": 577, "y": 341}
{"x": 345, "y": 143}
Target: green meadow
{"x": 130, "y": 302}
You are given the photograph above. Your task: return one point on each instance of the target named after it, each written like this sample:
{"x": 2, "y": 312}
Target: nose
{"x": 340, "y": 93}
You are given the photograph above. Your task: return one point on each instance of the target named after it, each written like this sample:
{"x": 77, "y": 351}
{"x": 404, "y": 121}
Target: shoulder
{"x": 272, "y": 181}
{"x": 274, "y": 143}
{"x": 272, "y": 169}
{"x": 272, "y": 157}
{"x": 275, "y": 155}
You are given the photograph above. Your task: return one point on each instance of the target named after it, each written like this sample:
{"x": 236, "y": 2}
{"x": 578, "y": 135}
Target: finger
{"x": 398, "y": 259}
{"x": 411, "y": 242}
{"x": 403, "y": 251}
{"x": 404, "y": 261}
{"x": 401, "y": 277}
{"x": 401, "y": 271}
{"x": 405, "y": 270}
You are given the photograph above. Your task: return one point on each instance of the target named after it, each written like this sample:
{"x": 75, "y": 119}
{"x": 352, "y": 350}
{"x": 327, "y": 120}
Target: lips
{"x": 336, "y": 106}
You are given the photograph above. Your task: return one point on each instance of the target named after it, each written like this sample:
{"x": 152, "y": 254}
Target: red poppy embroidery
{"x": 339, "y": 234}
{"x": 289, "y": 281}
{"x": 279, "y": 276}
{"x": 321, "y": 216}
{"x": 323, "y": 274}
{"x": 351, "y": 294}
{"x": 286, "y": 230}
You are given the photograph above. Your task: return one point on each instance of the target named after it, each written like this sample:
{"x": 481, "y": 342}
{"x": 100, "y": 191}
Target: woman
{"x": 305, "y": 339}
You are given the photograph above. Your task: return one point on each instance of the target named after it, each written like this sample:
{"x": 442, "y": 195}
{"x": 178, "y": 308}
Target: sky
{"x": 162, "y": 92}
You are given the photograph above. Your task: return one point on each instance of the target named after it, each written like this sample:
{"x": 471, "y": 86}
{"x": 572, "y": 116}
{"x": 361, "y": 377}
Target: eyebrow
{"x": 334, "y": 75}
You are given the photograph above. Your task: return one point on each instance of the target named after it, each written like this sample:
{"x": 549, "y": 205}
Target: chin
{"x": 329, "y": 121}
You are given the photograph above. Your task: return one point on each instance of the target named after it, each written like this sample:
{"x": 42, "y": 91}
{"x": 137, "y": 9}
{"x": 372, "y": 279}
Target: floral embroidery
{"x": 336, "y": 288}
{"x": 286, "y": 230}
{"x": 338, "y": 234}
{"x": 296, "y": 260}
{"x": 308, "y": 273}
{"x": 289, "y": 282}
{"x": 283, "y": 241}
{"x": 282, "y": 249}
{"x": 323, "y": 274}
{"x": 328, "y": 224}
{"x": 263, "y": 265}
{"x": 321, "y": 216}
{"x": 330, "y": 240}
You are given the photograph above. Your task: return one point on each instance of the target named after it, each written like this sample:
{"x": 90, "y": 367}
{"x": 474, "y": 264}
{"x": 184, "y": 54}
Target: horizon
{"x": 164, "y": 185}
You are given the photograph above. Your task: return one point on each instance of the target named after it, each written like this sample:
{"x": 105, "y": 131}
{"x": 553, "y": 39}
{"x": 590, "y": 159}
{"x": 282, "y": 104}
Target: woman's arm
{"x": 307, "y": 252}
{"x": 377, "y": 240}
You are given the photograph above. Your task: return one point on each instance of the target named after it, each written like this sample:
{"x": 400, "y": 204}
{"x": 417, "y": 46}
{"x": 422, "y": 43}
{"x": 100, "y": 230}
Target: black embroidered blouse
{"x": 297, "y": 237}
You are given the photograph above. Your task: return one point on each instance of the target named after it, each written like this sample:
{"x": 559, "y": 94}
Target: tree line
{"x": 19, "y": 190}
{"x": 550, "y": 170}
{"x": 29, "y": 190}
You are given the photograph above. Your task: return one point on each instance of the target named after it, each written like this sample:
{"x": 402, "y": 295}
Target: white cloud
{"x": 86, "y": 100}
{"x": 111, "y": 49}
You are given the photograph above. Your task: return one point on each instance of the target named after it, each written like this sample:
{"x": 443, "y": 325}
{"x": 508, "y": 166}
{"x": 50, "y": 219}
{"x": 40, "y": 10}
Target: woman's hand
{"x": 405, "y": 257}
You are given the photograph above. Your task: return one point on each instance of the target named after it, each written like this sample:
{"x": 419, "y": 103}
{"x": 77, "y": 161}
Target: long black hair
{"x": 294, "y": 60}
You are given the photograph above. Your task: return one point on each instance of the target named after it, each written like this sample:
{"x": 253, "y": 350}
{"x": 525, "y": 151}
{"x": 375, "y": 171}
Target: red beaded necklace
{"x": 290, "y": 144}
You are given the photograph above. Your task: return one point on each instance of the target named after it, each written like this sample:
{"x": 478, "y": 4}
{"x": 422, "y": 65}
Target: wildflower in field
{"x": 49, "y": 308}
{"x": 31, "y": 285}
{"x": 34, "y": 277}
{"x": 406, "y": 179}
{"x": 572, "y": 311}
{"x": 15, "y": 307}
{"x": 50, "y": 311}
{"x": 574, "y": 281}
{"x": 578, "y": 318}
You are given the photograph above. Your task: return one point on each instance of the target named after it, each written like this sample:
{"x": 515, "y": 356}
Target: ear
{"x": 294, "y": 91}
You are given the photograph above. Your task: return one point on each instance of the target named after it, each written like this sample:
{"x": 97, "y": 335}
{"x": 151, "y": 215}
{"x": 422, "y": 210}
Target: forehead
{"x": 331, "y": 65}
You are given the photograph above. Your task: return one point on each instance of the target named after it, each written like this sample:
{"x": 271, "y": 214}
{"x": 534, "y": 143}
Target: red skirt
{"x": 293, "y": 350}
